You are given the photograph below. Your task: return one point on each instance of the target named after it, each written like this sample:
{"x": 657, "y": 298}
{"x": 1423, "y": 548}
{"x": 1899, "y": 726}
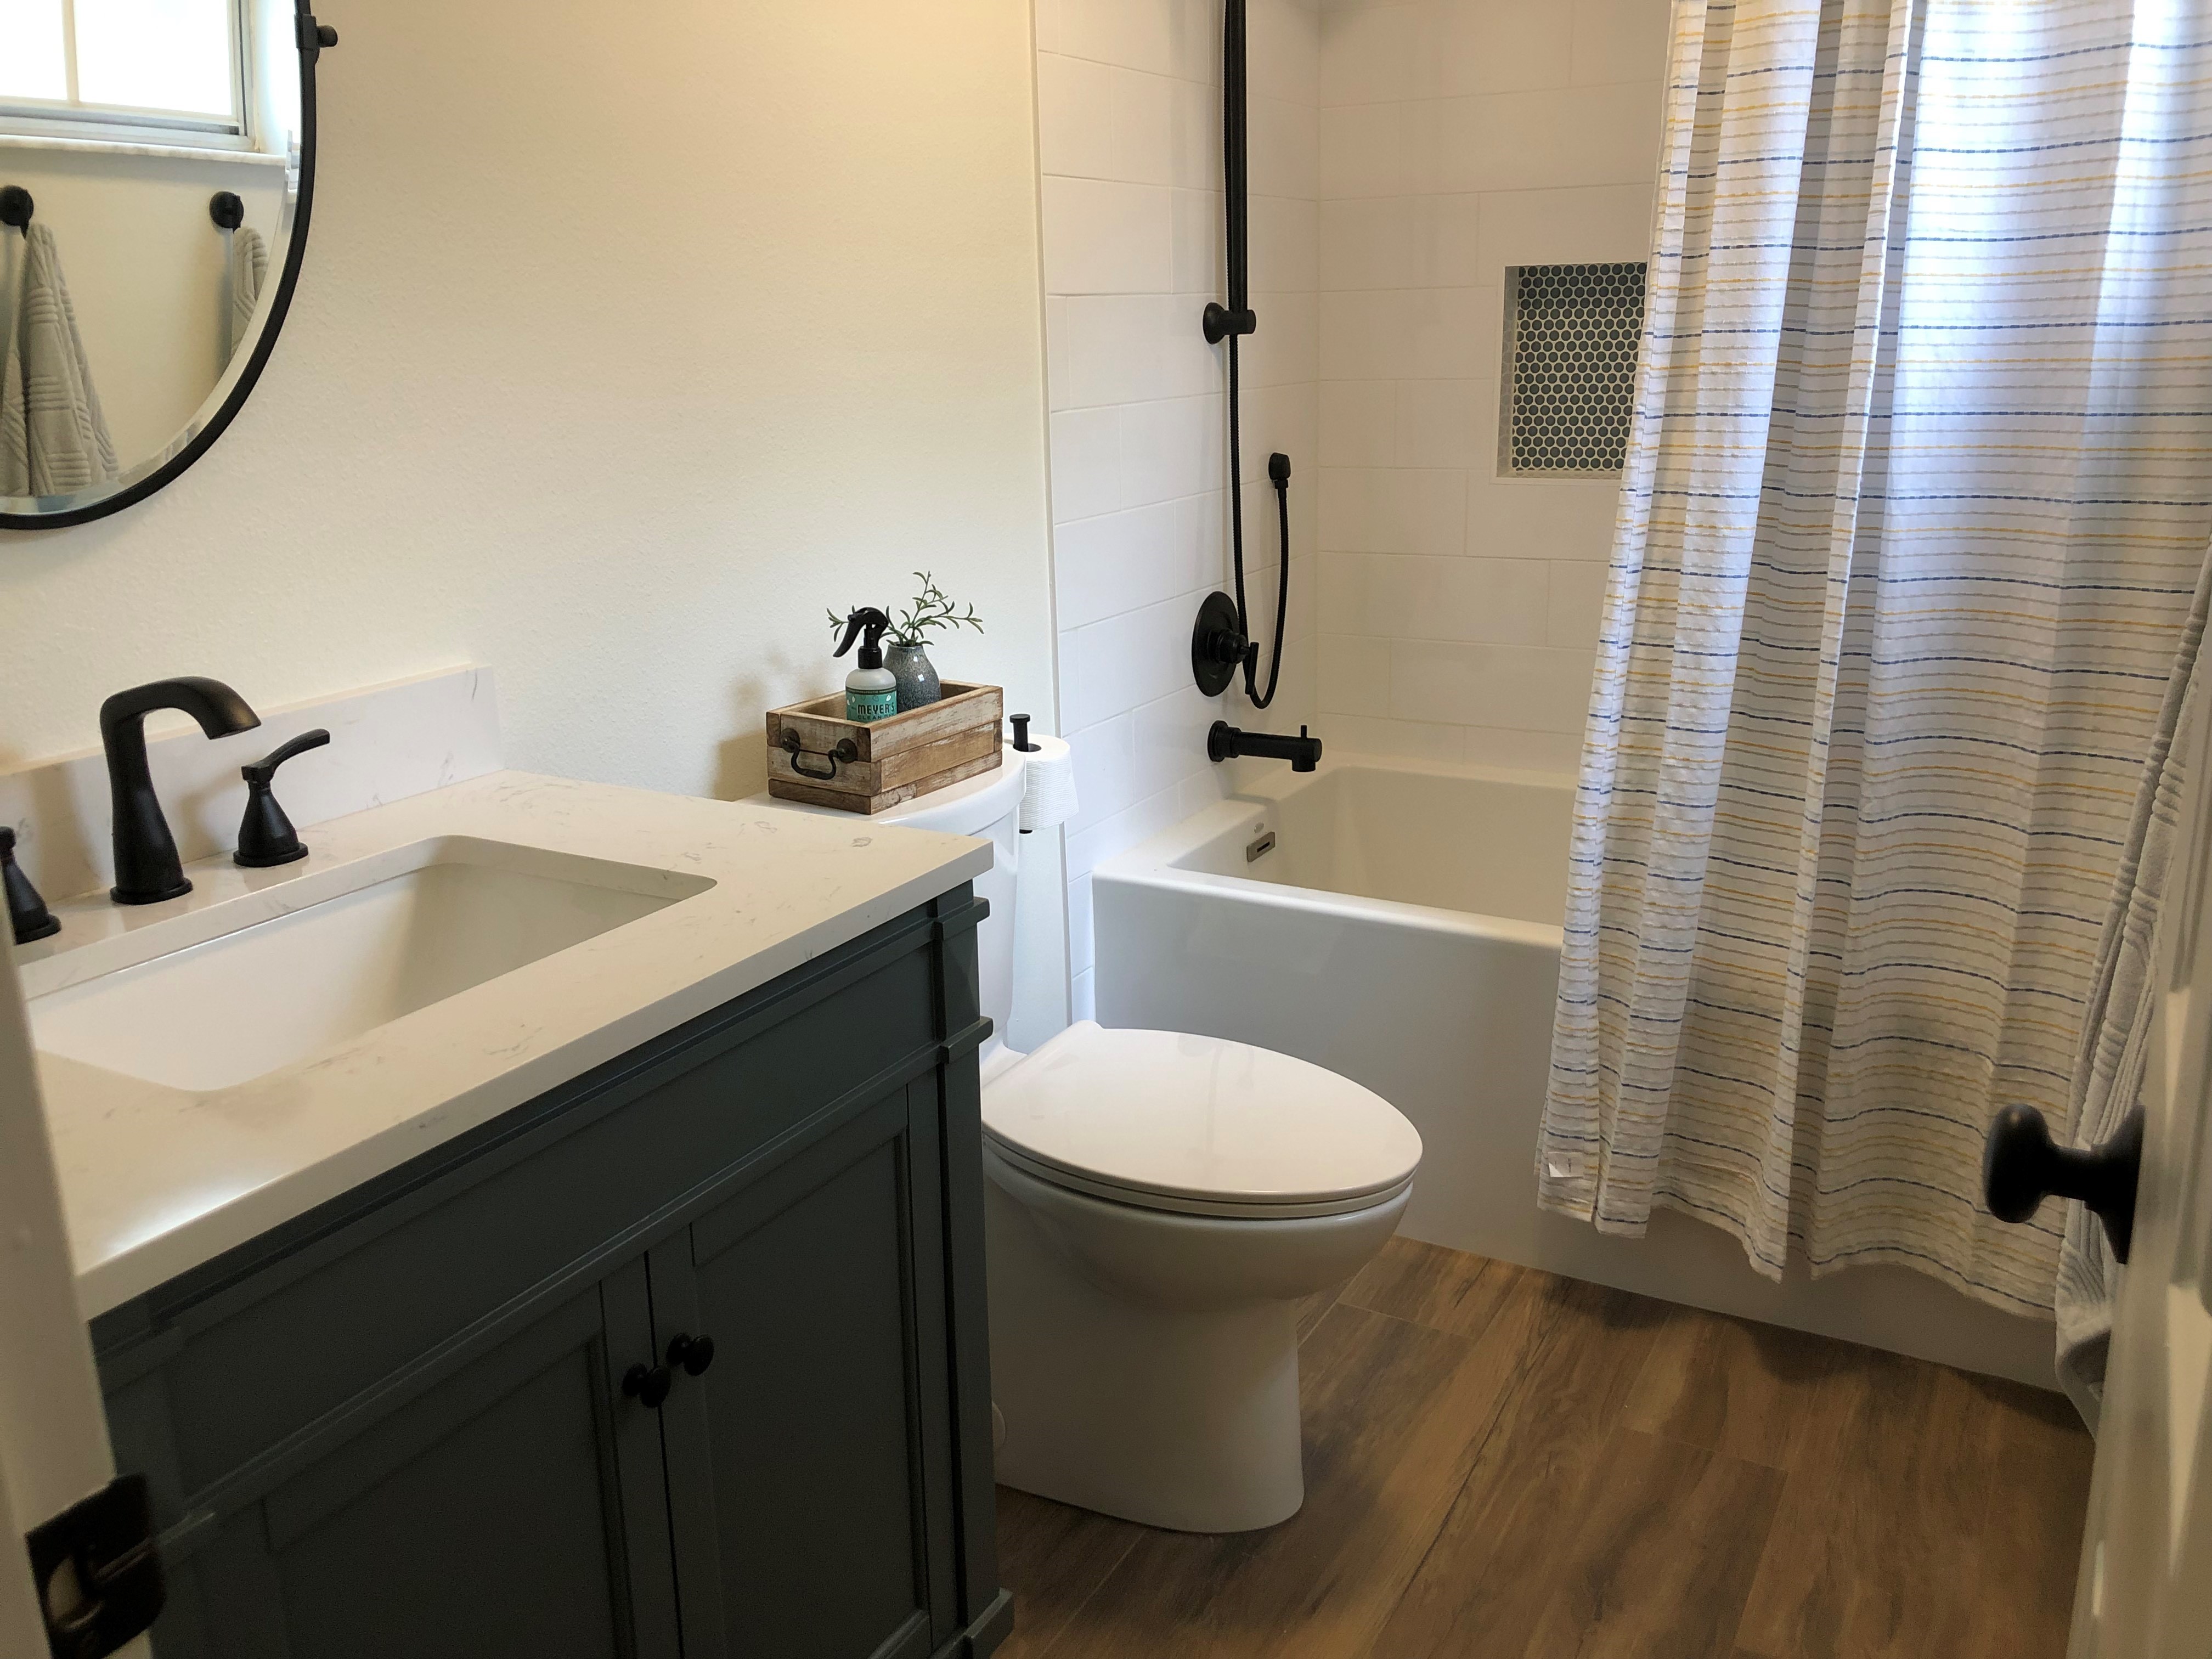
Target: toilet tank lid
{"x": 1195, "y": 1117}
{"x": 967, "y": 808}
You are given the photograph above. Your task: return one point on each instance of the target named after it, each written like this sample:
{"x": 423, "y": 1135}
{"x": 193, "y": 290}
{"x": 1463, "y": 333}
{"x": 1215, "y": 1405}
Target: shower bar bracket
{"x": 1220, "y": 322}
{"x": 314, "y": 38}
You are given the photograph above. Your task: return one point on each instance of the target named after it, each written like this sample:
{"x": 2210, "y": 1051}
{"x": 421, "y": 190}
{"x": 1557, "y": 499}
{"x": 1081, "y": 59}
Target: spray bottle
{"x": 870, "y": 692}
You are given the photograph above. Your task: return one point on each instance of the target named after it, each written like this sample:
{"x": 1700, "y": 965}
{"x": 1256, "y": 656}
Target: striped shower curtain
{"x": 1913, "y": 508}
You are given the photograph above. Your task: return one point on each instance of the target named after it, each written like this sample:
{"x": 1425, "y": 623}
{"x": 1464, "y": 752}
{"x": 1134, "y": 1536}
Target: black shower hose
{"x": 1278, "y": 472}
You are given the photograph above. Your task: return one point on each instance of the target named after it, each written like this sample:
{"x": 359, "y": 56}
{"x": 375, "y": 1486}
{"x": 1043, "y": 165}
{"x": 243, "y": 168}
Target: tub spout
{"x": 1225, "y": 742}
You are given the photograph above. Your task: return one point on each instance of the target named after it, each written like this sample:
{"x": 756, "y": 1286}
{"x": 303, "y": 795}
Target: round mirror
{"x": 157, "y": 163}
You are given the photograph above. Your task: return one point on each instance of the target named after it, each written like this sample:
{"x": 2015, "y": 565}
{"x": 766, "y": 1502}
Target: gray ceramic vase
{"x": 910, "y": 666}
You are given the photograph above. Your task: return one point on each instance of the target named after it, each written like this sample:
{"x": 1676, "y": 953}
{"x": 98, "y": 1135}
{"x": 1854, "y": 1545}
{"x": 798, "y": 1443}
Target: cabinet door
{"x": 808, "y": 1465}
{"x": 516, "y": 1507}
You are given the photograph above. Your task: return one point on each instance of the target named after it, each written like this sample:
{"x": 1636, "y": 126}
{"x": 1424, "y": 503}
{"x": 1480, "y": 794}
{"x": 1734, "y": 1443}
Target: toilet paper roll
{"x": 1049, "y": 790}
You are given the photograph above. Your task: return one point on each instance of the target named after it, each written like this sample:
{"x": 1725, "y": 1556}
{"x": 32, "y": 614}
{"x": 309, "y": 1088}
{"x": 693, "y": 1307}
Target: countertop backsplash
{"x": 388, "y": 742}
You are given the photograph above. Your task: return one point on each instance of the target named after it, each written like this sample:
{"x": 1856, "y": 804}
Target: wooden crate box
{"x": 817, "y": 756}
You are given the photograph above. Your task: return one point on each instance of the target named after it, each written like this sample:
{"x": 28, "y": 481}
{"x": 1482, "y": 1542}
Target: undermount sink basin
{"x": 408, "y": 929}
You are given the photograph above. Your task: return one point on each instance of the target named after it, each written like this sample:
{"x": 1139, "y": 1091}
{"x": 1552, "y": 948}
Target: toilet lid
{"x": 1197, "y": 1123}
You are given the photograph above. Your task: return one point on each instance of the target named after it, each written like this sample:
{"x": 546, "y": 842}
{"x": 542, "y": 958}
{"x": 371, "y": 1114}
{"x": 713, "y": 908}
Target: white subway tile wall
{"x": 1459, "y": 608}
{"x": 1403, "y": 155}
{"x": 1129, "y": 143}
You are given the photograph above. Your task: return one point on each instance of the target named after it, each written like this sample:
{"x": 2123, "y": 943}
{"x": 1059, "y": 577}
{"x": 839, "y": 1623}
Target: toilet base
{"x": 1174, "y": 1418}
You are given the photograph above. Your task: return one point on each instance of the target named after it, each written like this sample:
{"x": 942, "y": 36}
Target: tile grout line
{"x": 1068, "y": 1624}
{"x": 1522, "y": 1371}
{"x": 1344, "y": 1297}
{"x": 1334, "y": 1303}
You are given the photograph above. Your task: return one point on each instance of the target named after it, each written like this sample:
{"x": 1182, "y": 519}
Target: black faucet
{"x": 1225, "y": 742}
{"x": 146, "y": 869}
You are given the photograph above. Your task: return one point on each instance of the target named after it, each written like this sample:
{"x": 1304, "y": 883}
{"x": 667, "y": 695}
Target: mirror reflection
{"x": 149, "y": 175}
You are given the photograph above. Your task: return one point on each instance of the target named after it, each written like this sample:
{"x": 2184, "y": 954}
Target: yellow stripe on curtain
{"x": 1914, "y": 499}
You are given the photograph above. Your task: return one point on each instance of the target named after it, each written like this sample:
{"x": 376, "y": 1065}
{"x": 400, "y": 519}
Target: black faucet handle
{"x": 266, "y": 835}
{"x": 28, "y": 915}
{"x": 265, "y": 770}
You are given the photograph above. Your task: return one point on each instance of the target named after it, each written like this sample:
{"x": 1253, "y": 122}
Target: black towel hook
{"x": 226, "y": 210}
{"x": 15, "y": 207}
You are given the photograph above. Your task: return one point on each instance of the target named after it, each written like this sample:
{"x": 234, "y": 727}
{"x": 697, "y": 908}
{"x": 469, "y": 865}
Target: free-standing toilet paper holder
{"x": 1022, "y": 744}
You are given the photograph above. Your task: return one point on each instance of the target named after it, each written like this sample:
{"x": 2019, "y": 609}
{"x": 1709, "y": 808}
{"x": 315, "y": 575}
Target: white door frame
{"x": 53, "y": 1428}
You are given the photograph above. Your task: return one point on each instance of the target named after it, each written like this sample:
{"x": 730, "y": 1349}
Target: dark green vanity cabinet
{"x": 440, "y": 1417}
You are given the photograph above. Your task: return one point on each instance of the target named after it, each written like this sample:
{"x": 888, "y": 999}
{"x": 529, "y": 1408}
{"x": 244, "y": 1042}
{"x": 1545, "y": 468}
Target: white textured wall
{"x": 1458, "y": 609}
{"x": 630, "y": 337}
{"x": 1129, "y": 119}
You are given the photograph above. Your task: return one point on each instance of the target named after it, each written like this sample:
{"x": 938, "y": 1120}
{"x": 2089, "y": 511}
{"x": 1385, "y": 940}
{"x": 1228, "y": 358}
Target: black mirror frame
{"x": 312, "y": 39}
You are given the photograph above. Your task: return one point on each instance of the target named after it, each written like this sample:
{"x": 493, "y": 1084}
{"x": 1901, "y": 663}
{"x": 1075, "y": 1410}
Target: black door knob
{"x": 647, "y": 1384}
{"x": 693, "y": 1353}
{"x": 2021, "y": 1166}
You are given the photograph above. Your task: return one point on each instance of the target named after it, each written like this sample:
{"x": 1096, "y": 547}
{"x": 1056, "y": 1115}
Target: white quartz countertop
{"x": 157, "y": 1180}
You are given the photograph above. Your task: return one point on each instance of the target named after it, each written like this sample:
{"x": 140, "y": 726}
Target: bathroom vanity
{"x": 681, "y": 1354}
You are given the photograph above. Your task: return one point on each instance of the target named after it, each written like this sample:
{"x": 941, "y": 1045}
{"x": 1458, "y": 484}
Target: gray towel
{"x": 2108, "y": 1073}
{"x": 249, "y": 269}
{"x": 53, "y": 438}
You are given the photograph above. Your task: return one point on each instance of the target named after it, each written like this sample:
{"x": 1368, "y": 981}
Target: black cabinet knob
{"x": 647, "y": 1384}
{"x": 693, "y": 1353}
{"x": 2021, "y": 1166}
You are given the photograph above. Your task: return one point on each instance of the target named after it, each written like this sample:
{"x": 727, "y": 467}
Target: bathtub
{"x": 1398, "y": 922}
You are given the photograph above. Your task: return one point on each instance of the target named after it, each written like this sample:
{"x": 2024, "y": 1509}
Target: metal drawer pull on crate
{"x": 847, "y": 751}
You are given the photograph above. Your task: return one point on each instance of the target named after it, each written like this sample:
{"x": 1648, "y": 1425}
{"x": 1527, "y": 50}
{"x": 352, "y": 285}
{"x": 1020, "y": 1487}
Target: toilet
{"x": 1157, "y": 1204}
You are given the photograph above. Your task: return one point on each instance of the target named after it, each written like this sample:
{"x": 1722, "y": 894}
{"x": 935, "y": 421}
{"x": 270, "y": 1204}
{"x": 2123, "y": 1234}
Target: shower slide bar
{"x": 1220, "y": 642}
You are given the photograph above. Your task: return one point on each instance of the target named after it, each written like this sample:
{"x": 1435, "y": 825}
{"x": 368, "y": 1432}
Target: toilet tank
{"x": 986, "y": 807}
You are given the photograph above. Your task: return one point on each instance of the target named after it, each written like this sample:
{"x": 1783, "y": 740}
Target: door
{"x": 514, "y": 1507}
{"x": 2145, "y": 1589}
{"x": 809, "y": 1459}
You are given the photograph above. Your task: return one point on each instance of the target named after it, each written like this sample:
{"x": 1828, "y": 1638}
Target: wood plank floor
{"x": 1501, "y": 1463}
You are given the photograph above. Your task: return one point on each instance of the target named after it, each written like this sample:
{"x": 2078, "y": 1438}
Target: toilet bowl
{"x": 1156, "y": 1205}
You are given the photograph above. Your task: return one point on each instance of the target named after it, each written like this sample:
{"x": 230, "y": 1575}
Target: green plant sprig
{"x": 931, "y": 608}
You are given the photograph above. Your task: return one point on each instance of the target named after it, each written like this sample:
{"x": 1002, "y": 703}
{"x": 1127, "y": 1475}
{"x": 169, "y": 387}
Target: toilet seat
{"x": 1197, "y": 1126}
